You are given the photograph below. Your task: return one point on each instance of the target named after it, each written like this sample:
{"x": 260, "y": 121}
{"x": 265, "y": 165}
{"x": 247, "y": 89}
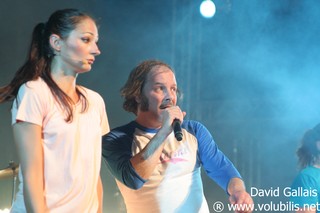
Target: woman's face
{"x": 79, "y": 49}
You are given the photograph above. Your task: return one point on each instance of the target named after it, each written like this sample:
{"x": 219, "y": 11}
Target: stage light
{"x": 207, "y": 9}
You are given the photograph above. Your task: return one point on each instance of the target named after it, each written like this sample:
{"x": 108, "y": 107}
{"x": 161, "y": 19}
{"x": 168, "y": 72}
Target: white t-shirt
{"x": 72, "y": 151}
{"x": 175, "y": 185}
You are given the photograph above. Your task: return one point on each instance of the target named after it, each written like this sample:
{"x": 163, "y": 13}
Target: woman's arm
{"x": 100, "y": 195}
{"x": 27, "y": 138}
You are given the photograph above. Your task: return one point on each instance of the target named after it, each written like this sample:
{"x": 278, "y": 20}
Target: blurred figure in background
{"x": 307, "y": 183}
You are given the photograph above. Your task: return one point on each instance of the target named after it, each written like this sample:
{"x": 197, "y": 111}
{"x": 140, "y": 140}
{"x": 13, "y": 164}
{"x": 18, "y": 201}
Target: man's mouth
{"x": 164, "y": 106}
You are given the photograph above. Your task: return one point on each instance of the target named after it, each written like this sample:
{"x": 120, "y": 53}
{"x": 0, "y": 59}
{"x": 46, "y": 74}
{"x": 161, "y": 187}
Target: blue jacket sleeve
{"x": 116, "y": 150}
{"x": 217, "y": 166}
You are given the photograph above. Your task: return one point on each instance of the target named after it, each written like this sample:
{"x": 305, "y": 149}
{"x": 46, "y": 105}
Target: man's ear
{"x": 138, "y": 99}
{"x": 55, "y": 42}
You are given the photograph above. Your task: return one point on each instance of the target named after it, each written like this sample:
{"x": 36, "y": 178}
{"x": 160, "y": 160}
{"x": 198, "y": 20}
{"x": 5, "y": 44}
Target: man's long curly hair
{"x": 136, "y": 81}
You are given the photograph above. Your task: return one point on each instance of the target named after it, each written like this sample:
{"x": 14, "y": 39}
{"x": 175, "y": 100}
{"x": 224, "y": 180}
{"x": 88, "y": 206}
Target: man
{"x": 154, "y": 171}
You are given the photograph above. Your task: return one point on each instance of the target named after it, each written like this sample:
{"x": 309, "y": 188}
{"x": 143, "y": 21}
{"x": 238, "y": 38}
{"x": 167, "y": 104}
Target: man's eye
{"x": 158, "y": 89}
{"x": 86, "y": 40}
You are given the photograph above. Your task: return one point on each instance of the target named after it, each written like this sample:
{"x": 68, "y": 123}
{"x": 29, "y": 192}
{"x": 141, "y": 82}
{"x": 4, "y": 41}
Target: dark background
{"x": 250, "y": 74}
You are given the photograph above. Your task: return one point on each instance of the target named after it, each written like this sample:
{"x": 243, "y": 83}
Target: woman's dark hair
{"x": 136, "y": 81}
{"x": 308, "y": 152}
{"x": 38, "y": 63}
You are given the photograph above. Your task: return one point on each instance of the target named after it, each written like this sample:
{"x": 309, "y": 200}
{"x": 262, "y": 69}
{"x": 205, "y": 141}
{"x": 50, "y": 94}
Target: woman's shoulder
{"x": 89, "y": 93}
{"x": 36, "y": 82}
{"x": 38, "y": 86}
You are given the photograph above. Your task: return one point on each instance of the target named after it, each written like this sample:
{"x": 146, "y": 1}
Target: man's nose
{"x": 169, "y": 95}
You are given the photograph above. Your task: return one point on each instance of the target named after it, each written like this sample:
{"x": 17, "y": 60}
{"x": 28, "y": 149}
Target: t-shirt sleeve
{"x": 306, "y": 187}
{"x": 29, "y": 105}
{"x": 104, "y": 118}
{"x": 116, "y": 150}
{"x": 215, "y": 163}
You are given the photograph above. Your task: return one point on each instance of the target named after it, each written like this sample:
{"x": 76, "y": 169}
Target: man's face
{"x": 159, "y": 92}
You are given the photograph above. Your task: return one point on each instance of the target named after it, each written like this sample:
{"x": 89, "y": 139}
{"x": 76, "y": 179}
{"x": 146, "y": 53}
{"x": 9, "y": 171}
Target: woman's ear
{"x": 55, "y": 42}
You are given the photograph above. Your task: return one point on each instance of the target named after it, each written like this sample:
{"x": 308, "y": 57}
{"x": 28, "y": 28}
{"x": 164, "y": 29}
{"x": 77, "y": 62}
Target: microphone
{"x": 176, "y": 125}
{"x": 84, "y": 62}
{"x": 78, "y": 60}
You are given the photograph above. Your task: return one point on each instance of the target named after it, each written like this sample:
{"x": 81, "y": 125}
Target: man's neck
{"x": 148, "y": 121}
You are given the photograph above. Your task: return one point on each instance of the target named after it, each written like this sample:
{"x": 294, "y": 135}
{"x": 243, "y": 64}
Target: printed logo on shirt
{"x": 177, "y": 156}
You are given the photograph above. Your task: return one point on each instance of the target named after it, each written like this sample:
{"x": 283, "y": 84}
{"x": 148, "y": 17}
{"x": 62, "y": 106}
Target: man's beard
{"x": 144, "y": 105}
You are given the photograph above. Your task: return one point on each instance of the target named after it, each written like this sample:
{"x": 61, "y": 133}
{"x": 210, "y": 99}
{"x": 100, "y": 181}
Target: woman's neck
{"x": 67, "y": 83}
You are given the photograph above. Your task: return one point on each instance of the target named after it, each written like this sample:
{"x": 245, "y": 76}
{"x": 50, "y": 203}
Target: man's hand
{"x": 243, "y": 201}
{"x": 239, "y": 197}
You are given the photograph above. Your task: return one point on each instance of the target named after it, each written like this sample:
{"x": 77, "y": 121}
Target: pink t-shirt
{"x": 72, "y": 151}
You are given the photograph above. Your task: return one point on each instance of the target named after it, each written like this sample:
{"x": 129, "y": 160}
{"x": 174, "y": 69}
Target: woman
{"x": 57, "y": 124}
{"x": 306, "y": 186}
